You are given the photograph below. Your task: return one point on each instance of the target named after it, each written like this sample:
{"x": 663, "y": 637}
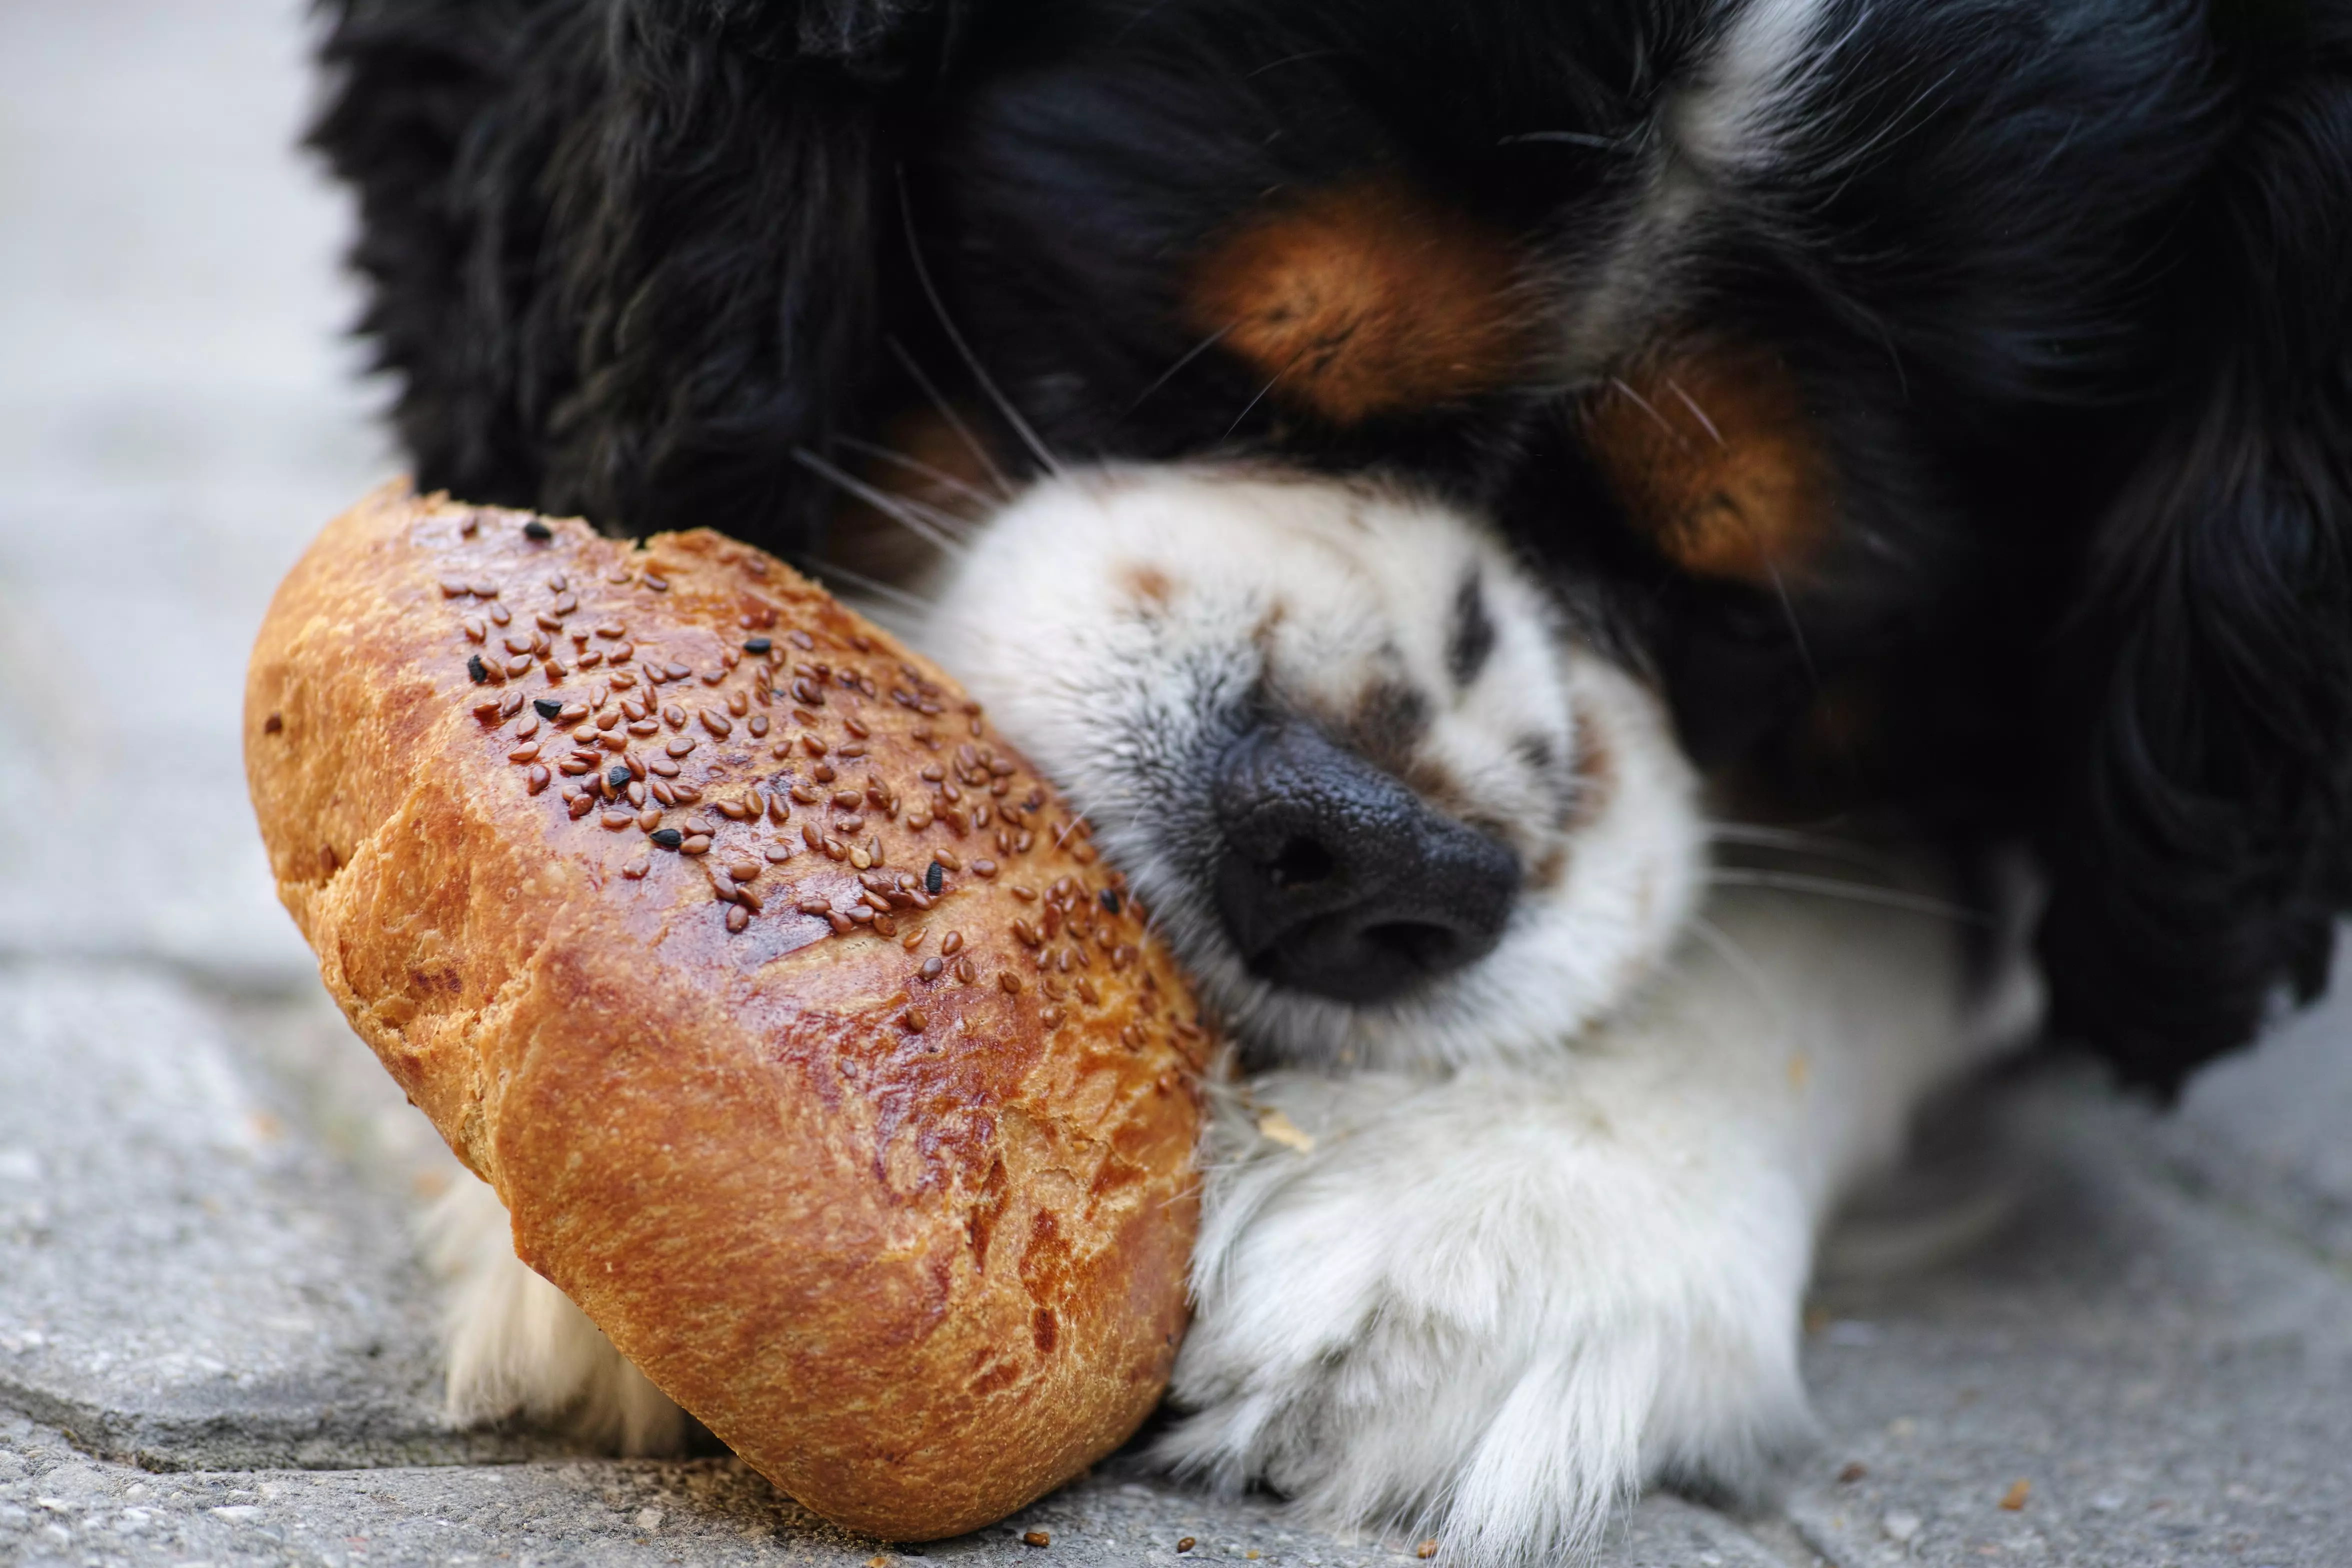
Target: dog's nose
{"x": 1336, "y": 878}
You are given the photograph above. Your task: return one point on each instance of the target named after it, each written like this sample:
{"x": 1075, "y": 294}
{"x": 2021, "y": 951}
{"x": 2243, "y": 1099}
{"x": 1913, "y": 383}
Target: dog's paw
{"x": 1487, "y": 1308}
{"x": 516, "y": 1345}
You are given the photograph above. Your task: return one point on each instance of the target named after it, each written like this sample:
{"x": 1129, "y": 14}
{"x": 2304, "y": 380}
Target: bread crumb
{"x": 1275, "y": 1125}
{"x": 2014, "y": 1498}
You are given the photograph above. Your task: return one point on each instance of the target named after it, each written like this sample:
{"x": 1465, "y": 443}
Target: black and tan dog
{"x": 1447, "y": 484}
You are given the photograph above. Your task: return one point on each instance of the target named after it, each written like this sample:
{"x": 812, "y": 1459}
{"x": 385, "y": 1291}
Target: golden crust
{"x": 914, "y": 1245}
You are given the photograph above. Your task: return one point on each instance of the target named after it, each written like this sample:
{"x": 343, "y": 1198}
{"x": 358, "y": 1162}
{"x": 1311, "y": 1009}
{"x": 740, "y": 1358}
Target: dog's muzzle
{"x": 1336, "y": 878}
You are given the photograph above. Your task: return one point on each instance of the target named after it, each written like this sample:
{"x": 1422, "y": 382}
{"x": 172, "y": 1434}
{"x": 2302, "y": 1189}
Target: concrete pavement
{"x": 214, "y": 1329}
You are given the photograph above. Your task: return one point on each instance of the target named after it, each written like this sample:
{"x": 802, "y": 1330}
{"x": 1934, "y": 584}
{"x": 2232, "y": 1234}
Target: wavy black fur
{"x": 2062, "y": 283}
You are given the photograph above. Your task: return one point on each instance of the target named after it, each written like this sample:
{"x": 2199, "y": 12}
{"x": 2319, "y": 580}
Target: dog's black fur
{"x": 2063, "y": 285}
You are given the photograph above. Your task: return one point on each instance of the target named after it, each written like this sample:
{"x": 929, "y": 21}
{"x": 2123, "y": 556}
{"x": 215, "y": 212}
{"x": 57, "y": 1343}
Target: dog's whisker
{"x": 907, "y": 513}
{"x": 828, "y": 572}
{"x": 1646, "y": 406}
{"x": 914, "y": 464}
{"x": 1021, "y": 426}
{"x": 1696, "y": 412}
{"x": 1855, "y": 893}
{"x": 947, "y": 411}
{"x": 1173, "y": 371}
{"x": 1737, "y": 959}
{"x": 1828, "y": 847}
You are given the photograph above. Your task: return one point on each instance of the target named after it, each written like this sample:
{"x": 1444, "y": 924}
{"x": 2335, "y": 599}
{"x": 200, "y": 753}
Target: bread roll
{"x": 812, "y": 1049}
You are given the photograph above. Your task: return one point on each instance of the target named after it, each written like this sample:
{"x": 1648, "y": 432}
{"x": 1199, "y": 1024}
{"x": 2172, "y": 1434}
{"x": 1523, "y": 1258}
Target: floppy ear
{"x": 2200, "y": 705}
{"x": 625, "y": 252}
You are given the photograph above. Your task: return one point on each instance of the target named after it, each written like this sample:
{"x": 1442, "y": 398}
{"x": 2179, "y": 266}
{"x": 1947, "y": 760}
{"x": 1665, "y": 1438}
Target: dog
{"x": 1639, "y": 585}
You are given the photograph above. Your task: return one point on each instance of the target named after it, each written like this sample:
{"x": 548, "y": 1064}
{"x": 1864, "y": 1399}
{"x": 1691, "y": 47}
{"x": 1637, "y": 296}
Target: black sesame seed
{"x": 478, "y": 670}
{"x": 934, "y": 878}
{"x": 547, "y": 707}
{"x": 758, "y": 645}
{"x": 1110, "y": 899}
{"x": 619, "y": 778}
{"x": 668, "y": 837}
{"x": 537, "y": 530}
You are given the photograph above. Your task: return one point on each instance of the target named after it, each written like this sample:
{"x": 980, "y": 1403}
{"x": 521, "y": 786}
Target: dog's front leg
{"x": 1491, "y": 1304}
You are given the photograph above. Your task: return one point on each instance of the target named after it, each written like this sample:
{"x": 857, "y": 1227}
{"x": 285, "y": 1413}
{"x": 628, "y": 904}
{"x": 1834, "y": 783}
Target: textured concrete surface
{"x": 214, "y": 1328}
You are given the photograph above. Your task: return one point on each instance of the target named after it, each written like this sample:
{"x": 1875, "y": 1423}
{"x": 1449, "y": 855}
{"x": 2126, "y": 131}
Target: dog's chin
{"x": 1121, "y": 628}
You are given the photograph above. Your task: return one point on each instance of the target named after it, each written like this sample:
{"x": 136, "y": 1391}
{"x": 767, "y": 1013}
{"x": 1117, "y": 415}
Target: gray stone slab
{"x": 187, "y": 1276}
{"x": 178, "y": 414}
{"x": 2269, "y": 1131}
{"x": 2172, "y": 1387}
{"x": 56, "y": 1505}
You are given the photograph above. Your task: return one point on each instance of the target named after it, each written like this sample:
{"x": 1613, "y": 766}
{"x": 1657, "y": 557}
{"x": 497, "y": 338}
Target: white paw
{"x": 1489, "y": 1309}
{"x": 514, "y": 1344}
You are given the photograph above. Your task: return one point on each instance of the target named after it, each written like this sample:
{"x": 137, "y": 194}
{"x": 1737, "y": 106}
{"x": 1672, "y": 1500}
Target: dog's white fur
{"x": 1546, "y": 1236}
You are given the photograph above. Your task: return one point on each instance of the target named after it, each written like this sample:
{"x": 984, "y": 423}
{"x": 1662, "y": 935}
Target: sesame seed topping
{"x": 617, "y": 820}
{"x": 800, "y": 640}
{"x": 538, "y": 779}
{"x": 487, "y": 591}
{"x": 658, "y": 584}
{"x": 668, "y": 837}
{"x": 638, "y": 865}
{"x": 913, "y": 1021}
{"x": 934, "y": 877}
{"x": 984, "y": 867}
{"x": 718, "y": 724}
{"x": 453, "y": 588}
{"x": 649, "y": 818}
{"x": 663, "y": 766}
{"x": 1109, "y": 900}
{"x": 501, "y": 615}
{"x": 537, "y": 531}
{"x": 478, "y": 670}
{"x": 1008, "y": 983}
{"x": 696, "y": 844}
{"x": 527, "y": 753}
{"x": 738, "y": 918}
{"x": 475, "y": 630}
{"x": 679, "y": 745}
{"x": 757, "y": 645}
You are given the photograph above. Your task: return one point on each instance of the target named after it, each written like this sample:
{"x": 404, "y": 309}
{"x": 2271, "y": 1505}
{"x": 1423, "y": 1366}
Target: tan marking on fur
{"x": 1149, "y": 583}
{"x": 1595, "y": 775}
{"x": 1708, "y": 449}
{"x": 1365, "y": 299}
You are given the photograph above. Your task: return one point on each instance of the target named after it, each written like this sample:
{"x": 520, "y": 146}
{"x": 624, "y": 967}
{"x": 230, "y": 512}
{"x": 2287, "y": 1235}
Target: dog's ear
{"x": 627, "y": 254}
{"x": 2201, "y": 704}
